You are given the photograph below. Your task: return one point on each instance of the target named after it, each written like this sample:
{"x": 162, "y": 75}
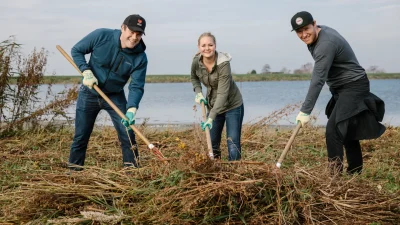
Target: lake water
{"x": 172, "y": 103}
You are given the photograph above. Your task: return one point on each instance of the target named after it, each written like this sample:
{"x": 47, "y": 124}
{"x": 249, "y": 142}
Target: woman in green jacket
{"x": 224, "y": 100}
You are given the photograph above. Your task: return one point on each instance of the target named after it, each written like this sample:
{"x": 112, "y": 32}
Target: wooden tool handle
{"x": 295, "y": 131}
{"x": 208, "y": 137}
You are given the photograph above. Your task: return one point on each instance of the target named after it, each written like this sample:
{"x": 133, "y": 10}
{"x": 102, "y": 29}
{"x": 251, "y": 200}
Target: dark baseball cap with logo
{"x": 135, "y": 23}
{"x": 301, "y": 19}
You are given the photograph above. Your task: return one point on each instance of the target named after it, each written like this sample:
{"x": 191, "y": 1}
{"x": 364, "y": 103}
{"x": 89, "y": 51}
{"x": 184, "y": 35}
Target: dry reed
{"x": 190, "y": 189}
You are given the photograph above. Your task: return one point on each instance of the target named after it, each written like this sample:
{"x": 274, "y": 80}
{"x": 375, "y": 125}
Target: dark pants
{"x": 87, "y": 108}
{"x": 335, "y": 143}
{"x": 234, "y": 120}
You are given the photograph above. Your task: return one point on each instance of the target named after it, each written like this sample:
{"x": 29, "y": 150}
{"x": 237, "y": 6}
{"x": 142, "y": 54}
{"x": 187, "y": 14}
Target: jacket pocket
{"x": 123, "y": 67}
{"x": 119, "y": 75}
{"x": 102, "y": 57}
{"x": 214, "y": 80}
{"x": 115, "y": 82}
{"x": 200, "y": 75}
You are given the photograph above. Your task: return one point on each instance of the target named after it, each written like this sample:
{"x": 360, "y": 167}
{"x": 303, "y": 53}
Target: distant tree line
{"x": 305, "y": 69}
{"x": 375, "y": 69}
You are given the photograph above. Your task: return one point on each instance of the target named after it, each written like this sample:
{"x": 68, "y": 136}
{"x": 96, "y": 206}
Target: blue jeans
{"x": 88, "y": 107}
{"x": 234, "y": 120}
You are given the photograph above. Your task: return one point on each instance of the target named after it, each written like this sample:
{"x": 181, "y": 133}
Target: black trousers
{"x": 335, "y": 143}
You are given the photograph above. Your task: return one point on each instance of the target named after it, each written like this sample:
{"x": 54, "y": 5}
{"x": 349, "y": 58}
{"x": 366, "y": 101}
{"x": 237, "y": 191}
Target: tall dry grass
{"x": 190, "y": 189}
{"x": 19, "y": 103}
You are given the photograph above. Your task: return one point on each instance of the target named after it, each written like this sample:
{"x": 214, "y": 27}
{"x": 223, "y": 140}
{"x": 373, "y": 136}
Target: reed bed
{"x": 36, "y": 187}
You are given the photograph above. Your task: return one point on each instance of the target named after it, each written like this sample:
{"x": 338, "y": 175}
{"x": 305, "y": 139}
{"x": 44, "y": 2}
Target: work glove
{"x": 303, "y": 118}
{"x": 208, "y": 124}
{"x": 200, "y": 98}
{"x": 130, "y": 114}
{"x": 89, "y": 79}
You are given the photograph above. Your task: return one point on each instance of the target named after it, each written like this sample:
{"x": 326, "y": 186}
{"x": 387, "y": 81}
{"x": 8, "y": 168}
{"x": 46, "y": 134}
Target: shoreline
{"x": 157, "y": 126}
{"x": 185, "y": 78}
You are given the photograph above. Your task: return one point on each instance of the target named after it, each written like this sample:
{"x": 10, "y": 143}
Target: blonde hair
{"x": 207, "y": 34}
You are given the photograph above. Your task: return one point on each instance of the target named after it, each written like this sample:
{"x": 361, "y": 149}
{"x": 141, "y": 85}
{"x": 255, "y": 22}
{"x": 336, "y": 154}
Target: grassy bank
{"x": 237, "y": 78}
{"x": 189, "y": 188}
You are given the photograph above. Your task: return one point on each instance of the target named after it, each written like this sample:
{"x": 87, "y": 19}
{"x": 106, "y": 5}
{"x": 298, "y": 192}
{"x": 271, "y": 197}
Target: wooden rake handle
{"x": 208, "y": 137}
{"x": 149, "y": 145}
{"x": 295, "y": 131}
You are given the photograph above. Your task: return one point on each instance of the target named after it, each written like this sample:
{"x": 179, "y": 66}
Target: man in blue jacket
{"x": 116, "y": 56}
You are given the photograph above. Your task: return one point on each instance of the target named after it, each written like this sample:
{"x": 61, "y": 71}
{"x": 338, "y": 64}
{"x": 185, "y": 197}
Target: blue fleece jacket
{"x": 112, "y": 65}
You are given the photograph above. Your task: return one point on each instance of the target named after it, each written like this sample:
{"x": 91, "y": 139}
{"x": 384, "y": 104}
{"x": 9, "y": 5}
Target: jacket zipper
{"x": 119, "y": 64}
{"x": 108, "y": 74}
{"x": 209, "y": 83}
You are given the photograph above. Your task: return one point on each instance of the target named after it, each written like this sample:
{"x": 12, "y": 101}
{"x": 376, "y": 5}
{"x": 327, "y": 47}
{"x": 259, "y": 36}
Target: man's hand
{"x": 208, "y": 124}
{"x": 89, "y": 79}
{"x": 303, "y": 118}
{"x": 200, "y": 98}
{"x": 130, "y": 114}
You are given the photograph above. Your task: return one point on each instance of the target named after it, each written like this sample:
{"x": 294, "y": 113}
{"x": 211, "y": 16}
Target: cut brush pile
{"x": 191, "y": 189}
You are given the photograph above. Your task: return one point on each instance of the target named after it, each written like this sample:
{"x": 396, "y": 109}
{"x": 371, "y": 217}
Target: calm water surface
{"x": 172, "y": 103}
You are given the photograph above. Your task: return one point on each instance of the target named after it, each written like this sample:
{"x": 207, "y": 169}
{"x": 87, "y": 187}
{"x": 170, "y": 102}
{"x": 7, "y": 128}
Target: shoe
{"x": 131, "y": 165}
{"x": 71, "y": 171}
{"x": 74, "y": 167}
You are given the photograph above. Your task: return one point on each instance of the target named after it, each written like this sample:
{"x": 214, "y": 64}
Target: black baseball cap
{"x": 301, "y": 19}
{"x": 135, "y": 23}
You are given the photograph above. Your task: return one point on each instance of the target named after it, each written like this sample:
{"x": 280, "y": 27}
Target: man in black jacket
{"x": 353, "y": 112}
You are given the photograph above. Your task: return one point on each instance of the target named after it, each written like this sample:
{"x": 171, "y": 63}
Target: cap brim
{"x": 301, "y": 26}
{"x": 136, "y": 29}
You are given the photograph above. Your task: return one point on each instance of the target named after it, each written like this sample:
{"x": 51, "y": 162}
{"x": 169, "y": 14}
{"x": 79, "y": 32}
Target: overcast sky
{"x": 254, "y": 32}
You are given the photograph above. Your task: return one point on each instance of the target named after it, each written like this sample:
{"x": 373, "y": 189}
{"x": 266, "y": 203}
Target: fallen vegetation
{"x": 191, "y": 189}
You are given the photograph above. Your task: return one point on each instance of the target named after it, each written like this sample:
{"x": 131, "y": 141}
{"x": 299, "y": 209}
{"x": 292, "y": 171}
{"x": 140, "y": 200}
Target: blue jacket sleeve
{"x": 136, "y": 86}
{"x": 85, "y": 46}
